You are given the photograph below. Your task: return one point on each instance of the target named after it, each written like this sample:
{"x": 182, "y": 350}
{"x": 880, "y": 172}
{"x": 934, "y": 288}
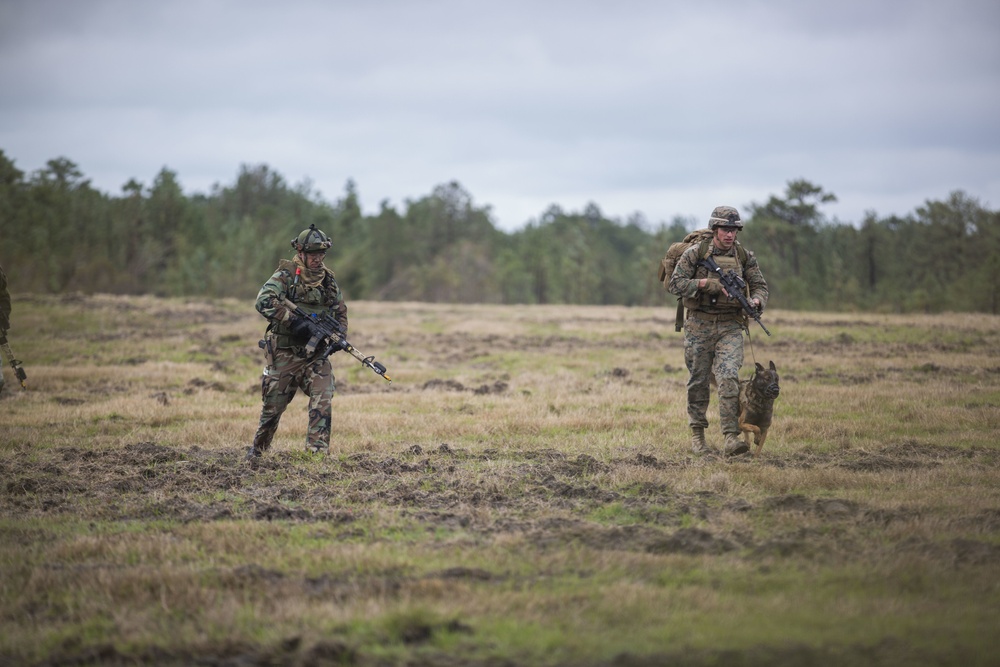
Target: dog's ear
{"x": 761, "y": 368}
{"x": 772, "y": 366}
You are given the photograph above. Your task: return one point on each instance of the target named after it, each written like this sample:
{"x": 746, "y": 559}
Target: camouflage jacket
{"x": 325, "y": 298}
{"x": 4, "y": 300}
{"x": 687, "y": 273}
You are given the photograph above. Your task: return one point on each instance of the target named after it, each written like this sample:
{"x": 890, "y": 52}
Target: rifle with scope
{"x": 735, "y": 287}
{"x": 327, "y": 335}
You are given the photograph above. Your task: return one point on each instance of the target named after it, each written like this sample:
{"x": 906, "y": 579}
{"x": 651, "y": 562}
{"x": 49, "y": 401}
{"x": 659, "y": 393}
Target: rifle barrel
{"x": 734, "y": 287}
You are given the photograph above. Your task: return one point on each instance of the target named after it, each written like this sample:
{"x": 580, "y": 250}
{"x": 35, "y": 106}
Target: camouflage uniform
{"x": 288, "y": 367}
{"x": 713, "y": 333}
{"x": 4, "y": 314}
{"x": 4, "y": 302}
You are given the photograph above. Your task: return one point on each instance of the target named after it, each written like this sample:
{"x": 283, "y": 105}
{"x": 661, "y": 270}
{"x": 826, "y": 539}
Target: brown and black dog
{"x": 757, "y": 396}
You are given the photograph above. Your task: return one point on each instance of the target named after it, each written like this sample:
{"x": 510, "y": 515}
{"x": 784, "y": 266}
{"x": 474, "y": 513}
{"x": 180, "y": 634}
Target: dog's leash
{"x": 750, "y": 339}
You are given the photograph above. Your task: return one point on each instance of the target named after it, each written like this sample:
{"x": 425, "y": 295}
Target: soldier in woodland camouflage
{"x": 713, "y": 329}
{"x": 306, "y": 281}
{"x": 4, "y": 314}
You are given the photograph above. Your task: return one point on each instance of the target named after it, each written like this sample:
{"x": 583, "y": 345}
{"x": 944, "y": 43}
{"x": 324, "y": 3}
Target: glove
{"x": 301, "y": 327}
{"x": 713, "y": 287}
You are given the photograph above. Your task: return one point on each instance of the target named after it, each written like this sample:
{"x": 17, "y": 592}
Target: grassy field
{"x": 521, "y": 494}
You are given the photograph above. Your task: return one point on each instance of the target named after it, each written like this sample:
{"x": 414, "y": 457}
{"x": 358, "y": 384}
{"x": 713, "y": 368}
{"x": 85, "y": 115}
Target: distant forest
{"x": 58, "y": 234}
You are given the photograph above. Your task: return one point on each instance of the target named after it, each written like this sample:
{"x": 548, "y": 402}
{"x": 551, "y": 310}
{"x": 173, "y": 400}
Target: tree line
{"x": 59, "y": 234}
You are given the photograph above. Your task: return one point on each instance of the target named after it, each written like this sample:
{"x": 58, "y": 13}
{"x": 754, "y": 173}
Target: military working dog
{"x": 757, "y": 396}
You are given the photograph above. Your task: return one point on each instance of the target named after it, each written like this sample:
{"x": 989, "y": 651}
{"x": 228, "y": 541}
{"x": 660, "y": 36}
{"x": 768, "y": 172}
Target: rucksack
{"x": 675, "y": 251}
{"x": 701, "y": 237}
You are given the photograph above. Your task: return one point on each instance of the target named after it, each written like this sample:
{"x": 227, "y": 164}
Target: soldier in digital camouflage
{"x": 306, "y": 281}
{"x": 714, "y": 326}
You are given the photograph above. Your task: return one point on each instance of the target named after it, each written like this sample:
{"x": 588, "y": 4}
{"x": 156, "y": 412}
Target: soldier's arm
{"x": 682, "y": 282}
{"x": 755, "y": 281}
{"x": 4, "y": 301}
{"x": 340, "y": 313}
{"x": 270, "y": 295}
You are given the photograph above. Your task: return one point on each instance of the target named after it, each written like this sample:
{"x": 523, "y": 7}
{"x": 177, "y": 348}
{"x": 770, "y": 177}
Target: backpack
{"x": 701, "y": 237}
{"x": 675, "y": 251}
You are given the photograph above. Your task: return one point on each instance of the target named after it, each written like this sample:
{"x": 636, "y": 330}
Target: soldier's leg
{"x": 728, "y": 361}
{"x": 278, "y": 386}
{"x": 320, "y": 385}
{"x": 699, "y": 353}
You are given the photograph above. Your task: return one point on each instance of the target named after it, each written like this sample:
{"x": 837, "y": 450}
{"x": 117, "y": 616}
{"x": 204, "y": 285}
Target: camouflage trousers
{"x": 713, "y": 349}
{"x": 284, "y": 374}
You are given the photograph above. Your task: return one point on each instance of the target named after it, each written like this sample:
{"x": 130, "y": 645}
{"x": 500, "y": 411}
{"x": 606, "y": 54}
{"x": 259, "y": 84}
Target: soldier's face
{"x": 312, "y": 260}
{"x": 725, "y": 237}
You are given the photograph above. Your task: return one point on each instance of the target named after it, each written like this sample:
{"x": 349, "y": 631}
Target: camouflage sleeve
{"x": 755, "y": 280}
{"x": 270, "y": 295}
{"x": 4, "y": 300}
{"x": 682, "y": 281}
{"x": 340, "y": 310}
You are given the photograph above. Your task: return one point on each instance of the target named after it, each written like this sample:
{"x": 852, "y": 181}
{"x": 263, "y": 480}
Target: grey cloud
{"x": 657, "y": 107}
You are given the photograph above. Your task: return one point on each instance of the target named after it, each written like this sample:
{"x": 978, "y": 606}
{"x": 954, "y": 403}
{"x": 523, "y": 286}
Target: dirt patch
{"x": 198, "y": 383}
{"x": 496, "y": 387}
{"x": 66, "y": 400}
{"x": 694, "y": 541}
{"x": 559, "y": 534}
{"x": 959, "y": 552}
{"x": 909, "y": 455}
{"x": 825, "y": 507}
{"x": 444, "y": 385}
{"x": 149, "y": 453}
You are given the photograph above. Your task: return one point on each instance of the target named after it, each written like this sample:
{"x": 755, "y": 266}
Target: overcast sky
{"x": 654, "y": 107}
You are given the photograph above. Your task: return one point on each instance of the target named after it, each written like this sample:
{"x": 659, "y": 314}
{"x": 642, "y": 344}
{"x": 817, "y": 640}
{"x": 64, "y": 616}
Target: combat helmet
{"x": 725, "y": 216}
{"x": 311, "y": 240}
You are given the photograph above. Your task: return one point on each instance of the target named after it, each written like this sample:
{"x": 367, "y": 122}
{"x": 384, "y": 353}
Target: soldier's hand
{"x": 714, "y": 287}
{"x": 301, "y": 327}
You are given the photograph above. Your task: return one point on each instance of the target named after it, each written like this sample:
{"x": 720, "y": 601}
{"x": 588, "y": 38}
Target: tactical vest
{"x": 323, "y": 298}
{"x": 716, "y": 303}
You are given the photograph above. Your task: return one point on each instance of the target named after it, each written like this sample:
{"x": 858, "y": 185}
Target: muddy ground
{"x": 428, "y": 486}
{"x": 540, "y": 497}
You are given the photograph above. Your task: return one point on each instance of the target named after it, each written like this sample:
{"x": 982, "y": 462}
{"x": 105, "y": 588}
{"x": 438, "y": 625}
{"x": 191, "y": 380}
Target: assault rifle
{"x": 735, "y": 287}
{"x": 327, "y": 336}
{"x": 14, "y": 363}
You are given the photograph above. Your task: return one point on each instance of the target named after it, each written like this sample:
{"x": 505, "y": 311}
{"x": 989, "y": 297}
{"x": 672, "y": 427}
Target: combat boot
{"x": 698, "y": 444}
{"x": 253, "y": 457}
{"x": 734, "y": 445}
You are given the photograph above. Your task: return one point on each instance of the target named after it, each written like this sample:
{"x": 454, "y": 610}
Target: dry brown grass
{"x": 521, "y": 490}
